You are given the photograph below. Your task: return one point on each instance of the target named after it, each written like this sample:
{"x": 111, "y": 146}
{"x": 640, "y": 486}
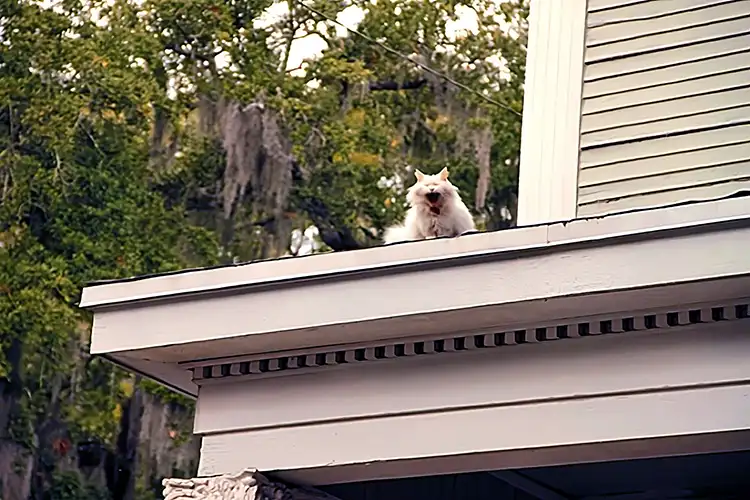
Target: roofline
{"x": 473, "y": 248}
{"x": 141, "y": 277}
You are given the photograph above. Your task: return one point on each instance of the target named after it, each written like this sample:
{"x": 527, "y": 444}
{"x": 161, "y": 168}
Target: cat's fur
{"x": 435, "y": 209}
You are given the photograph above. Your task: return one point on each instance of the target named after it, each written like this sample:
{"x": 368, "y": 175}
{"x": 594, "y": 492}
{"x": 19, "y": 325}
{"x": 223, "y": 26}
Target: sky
{"x": 313, "y": 46}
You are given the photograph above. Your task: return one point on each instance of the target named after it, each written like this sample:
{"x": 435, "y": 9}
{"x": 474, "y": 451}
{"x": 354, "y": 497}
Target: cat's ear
{"x": 444, "y": 174}
{"x": 419, "y": 175}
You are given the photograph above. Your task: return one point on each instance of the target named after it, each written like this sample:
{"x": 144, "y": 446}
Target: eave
{"x": 503, "y": 280}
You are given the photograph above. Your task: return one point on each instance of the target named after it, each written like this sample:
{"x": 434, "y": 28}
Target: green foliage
{"x": 106, "y": 170}
{"x": 71, "y": 486}
{"x": 165, "y": 395}
{"x": 94, "y": 411}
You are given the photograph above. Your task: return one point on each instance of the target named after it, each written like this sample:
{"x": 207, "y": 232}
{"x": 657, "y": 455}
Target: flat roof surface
{"x": 405, "y": 254}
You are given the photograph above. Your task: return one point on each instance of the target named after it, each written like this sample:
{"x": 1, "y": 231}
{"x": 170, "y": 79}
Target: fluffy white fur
{"x": 435, "y": 209}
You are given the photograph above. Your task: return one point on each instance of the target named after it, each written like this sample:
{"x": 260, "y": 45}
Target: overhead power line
{"x": 409, "y": 59}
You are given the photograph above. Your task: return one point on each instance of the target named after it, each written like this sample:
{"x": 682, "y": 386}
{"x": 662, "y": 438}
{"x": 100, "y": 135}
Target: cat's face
{"x": 431, "y": 191}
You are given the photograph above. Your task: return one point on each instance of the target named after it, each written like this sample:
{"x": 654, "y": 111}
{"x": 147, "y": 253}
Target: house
{"x": 599, "y": 348}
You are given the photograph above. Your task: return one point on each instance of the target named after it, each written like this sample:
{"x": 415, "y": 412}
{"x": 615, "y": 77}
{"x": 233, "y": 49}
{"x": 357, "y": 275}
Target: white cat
{"x": 435, "y": 209}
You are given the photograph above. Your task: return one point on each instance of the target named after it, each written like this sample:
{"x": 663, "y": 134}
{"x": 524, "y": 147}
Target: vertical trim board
{"x": 551, "y": 117}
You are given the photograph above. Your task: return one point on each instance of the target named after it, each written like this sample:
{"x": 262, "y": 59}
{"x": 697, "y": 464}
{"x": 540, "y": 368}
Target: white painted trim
{"x": 599, "y": 266}
{"x": 525, "y": 375}
{"x": 550, "y": 132}
{"x": 539, "y": 457}
{"x": 396, "y": 305}
{"x": 528, "y": 398}
{"x": 304, "y": 269}
{"x": 483, "y": 430}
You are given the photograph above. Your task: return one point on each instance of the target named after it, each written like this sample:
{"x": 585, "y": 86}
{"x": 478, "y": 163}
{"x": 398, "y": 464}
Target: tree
{"x": 76, "y": 207}
{"x": 141, "y": 137}
{"x": 354, "y": 124}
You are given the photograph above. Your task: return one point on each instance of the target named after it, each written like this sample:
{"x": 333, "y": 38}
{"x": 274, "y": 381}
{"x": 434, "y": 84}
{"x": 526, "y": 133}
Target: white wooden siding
{"x": 666, "y": 103}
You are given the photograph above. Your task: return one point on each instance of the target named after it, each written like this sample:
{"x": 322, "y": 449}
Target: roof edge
{"x": 472, "y": 248}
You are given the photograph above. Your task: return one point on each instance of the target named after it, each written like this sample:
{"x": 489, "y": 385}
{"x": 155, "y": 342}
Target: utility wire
{"x": 407, "y": 58}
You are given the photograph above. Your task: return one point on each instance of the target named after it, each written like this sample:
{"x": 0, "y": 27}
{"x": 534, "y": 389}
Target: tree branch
{"x": 292, "y": 32}
{"x": 336, "y": 235}
{"x": 392, "y": 85}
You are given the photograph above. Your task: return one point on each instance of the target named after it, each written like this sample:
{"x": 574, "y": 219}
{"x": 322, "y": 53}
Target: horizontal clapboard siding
{"x": 666, "y": 103}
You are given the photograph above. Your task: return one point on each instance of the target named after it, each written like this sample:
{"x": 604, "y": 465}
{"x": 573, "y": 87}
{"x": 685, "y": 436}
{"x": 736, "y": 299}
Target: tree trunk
{"x": 16, "y": 461}
{"x": 124, "y": 465}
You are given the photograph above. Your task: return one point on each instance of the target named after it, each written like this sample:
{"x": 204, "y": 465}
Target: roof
{"x": 409, "y": 254}
{"x": 165, "y": 325}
